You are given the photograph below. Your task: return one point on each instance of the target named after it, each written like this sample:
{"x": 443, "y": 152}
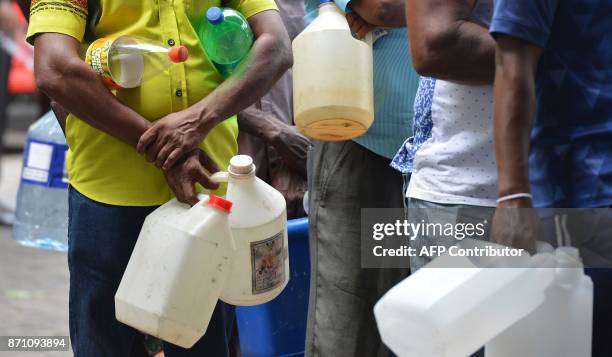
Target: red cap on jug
{"x": 178, "y": 54}
{"x": 220, "y": 203}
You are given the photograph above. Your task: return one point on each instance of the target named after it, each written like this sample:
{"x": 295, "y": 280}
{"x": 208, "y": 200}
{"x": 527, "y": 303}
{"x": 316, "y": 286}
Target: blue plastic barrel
{"x": 278, "y": 328}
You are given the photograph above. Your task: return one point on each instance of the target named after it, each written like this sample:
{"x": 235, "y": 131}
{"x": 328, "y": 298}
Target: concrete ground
{"x": 33, "y": 283}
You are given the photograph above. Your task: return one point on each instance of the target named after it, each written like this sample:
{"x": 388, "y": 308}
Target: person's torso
{"x": 453, "y": 151}
{"x": 109, "y": 171}
{"x": 395, "y": 86}
{"x": 570, "y": 163}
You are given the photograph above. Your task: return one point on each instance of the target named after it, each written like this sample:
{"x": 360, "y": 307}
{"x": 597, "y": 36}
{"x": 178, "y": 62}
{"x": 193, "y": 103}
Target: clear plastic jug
{"x": 452, "y": 307}
{"x": 176, "y": 272}
{"x": 127, "y": 62}
{"x": 333, "y": 91}
{"x": 562, "y": 326}
{"x": 41, "y": 217}
{"x": 260, "y": 271}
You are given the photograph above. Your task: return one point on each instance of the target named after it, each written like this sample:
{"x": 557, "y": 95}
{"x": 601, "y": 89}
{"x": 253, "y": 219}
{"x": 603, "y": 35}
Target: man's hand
{"x": 516, "y": 224}
{"x": 358, "y": 25}
{"x": 189, "y": 171}
{"x": 171, "y": 137}
{"x": 289, "y": 143}
{"x": 383, "y": 13}
{"x": 292, "y": 146}
{"x": 176, "y": 134}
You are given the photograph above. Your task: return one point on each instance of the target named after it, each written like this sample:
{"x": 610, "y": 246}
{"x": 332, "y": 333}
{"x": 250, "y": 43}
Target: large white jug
{"x": 451, "y": 307}
{"x": 177, "y": 270}
{"x": 260, "y": 271}
{"x": 562, "y": 326}
{"x": 333, "y": 91}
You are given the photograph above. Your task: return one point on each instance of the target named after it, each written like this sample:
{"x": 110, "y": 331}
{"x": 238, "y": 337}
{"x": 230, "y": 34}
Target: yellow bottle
{"x": 333, "y": 91}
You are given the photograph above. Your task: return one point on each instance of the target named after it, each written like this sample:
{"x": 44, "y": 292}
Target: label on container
{"x": 268, "y": 263}
{"x": 97, "y": 58}
{"x": 44, "y": 164}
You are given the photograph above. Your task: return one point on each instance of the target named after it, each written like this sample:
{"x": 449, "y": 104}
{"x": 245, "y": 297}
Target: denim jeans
{"x": 100, "y": 241}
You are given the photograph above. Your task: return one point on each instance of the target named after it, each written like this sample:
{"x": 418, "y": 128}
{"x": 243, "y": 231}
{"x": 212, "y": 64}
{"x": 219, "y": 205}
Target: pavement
{"x": 33, "y": 283}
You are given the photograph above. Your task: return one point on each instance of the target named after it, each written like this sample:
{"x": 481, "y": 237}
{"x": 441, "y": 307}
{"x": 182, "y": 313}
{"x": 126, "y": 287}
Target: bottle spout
{"x": 178, "y": 54}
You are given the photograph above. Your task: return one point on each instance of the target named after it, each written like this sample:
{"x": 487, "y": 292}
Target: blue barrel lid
{"x": 215, "y": 15}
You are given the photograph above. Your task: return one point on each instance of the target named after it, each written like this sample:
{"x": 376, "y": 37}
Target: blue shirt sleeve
{"x": 527, "y": 20}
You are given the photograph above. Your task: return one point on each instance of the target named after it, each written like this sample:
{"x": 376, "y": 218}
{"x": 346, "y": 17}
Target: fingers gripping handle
{"x": 217, "y": 177}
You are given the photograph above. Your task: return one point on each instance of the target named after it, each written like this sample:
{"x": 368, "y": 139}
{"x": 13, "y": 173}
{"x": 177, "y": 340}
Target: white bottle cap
{"x": 241, "y": 165}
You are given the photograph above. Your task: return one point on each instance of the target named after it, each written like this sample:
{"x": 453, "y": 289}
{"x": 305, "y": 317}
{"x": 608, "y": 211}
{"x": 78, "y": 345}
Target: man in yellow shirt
{"x": 183, "y": 112}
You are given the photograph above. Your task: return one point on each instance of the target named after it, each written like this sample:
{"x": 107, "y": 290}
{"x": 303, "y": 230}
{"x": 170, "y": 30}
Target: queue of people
{"x": 479, "y": 104}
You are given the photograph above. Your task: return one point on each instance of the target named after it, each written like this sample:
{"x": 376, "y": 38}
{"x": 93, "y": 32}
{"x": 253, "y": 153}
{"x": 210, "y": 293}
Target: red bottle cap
{"x": 178, "y": 54}
{"x": 220, "y": 203}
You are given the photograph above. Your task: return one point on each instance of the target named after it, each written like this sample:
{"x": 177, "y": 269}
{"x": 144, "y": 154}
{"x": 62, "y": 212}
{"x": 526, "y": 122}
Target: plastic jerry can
{"x": 333, "y": 92}
{"x": 562, "y": 326}
{"x": 258, "y": 221}
{"x": 177, "y": 270}
{"x": 452, "y": 307}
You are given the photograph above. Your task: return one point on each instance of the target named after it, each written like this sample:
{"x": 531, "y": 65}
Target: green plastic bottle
{"x": 226, "y": 37}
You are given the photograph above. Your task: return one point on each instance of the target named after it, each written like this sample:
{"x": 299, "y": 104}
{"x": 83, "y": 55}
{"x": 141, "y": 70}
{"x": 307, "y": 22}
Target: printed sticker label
{"x": 268, "y": 263}
{"x": 44, "y": 164}
{"x": 97, "y": 57}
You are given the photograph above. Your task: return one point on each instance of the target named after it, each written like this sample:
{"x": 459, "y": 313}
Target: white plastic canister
{"x": 333, "y": 91}
{"x": 451, "y": 307}
{"x": 176, "y": 272}
{"x": 563, "y": 325}
{"x": 260, "y": 271}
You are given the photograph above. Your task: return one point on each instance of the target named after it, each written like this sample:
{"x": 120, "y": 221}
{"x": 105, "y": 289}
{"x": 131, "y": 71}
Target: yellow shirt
{"x": 102, "y": 167}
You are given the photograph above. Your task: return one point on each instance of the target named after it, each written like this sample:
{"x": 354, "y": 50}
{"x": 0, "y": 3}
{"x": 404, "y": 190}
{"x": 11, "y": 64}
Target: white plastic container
{"x": 177, "y": 270}
{"x": 444, "y": 310}
{"x": 333, "y": 91}
{"x": 260, "y": 271}
{"x": 562, "y": 326}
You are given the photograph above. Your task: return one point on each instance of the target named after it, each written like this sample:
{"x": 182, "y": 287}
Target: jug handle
{"x": 219, "y": 177}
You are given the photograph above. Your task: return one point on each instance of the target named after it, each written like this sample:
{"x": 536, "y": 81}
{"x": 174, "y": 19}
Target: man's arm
{"x": 446, "y": 45}
{"x": 514, "y": 108}
{"x": 291, "y": 145}
{"x": 383, "y": 13}
{"x": 67, "y": 79}
{"x": 515, "y": 224}
{"x": 179, "y": 133}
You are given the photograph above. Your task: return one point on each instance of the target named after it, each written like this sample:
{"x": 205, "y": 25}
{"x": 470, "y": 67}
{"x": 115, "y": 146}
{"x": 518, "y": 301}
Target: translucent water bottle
{"x": 226, "y": 37}
{"x": 41, "y": 217}
{"x": 127, "y": 62}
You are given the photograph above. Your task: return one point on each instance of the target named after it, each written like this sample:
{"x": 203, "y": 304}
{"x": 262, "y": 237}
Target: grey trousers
{"x": 343, "y": 178}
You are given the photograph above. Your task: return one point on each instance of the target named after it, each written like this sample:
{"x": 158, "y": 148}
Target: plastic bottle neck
{"x": 328, "y": 7}
{"x": 569, "y": 266}
{"x": 237, "y": 176}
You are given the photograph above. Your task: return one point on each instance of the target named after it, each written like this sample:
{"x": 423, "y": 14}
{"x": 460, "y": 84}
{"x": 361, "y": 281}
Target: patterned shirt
{"x": 570, "y": 162}
{"x": 451, "y": 156}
